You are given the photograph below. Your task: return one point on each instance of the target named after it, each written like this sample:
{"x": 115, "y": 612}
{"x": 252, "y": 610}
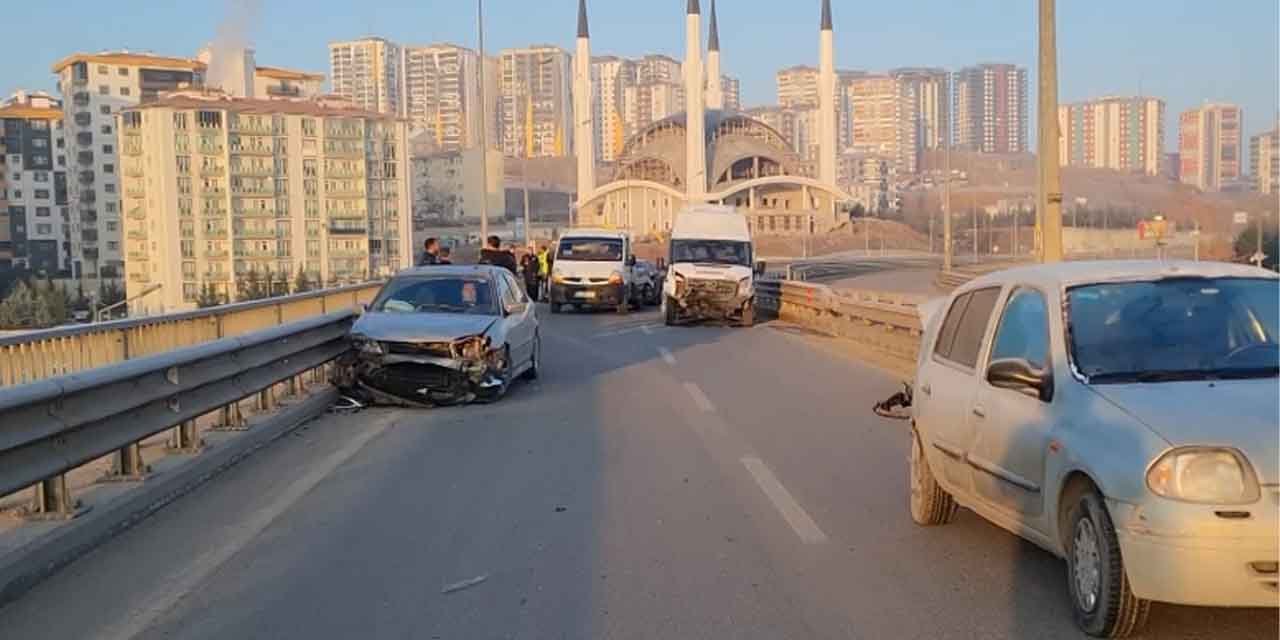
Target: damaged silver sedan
{"x": 443, "y": 335}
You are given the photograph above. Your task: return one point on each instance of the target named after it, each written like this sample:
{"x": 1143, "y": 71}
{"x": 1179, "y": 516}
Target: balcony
{"x": 212, "y": 172}
{"x": 344, "y": 193}
{"x": 84, "y": 139}
{"x": 137, "y": 256}
{"x": 215, "y": 277}
{"x": 256, "y": 234}
{"x": 89, "y": 253}
{"x": 263, "y": 191}
{"x": 335, "y": 252}
{"x": 271, "y": 253}
{"x": 216, "y": 254}
{"x": 136, "y": 213}
{"x": 85, "y": 157}
{"x": 89, "y": 235}
{"x": 245, "y": 125}
{"x": 89, "y": 217}
{"x": 87, "y": 177}
{"x": 83, "y": 118}
{"x": 253, "y": 150}
{"x": 213, "y": 212}
{"x": 344, "y": 132}
{"x": 251, "y": 170}
{"x": 253, "y": 212}
{"x": 210, "y": 149}
{"x": 88, "y": 196}
{"x": 348, "y": 226}
{"x": 136, "y": 234}
{"x": 135, "y": 276}
{"x": 343, "y": 173}
{"x": 135, "y": 191}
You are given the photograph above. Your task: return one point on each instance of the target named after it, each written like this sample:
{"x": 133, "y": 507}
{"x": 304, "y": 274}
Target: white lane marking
{"x": 782, "y": 500}
{"x": 169, "y": 591}
{"x": 667, "y": 356}
{"x": 699, "y": 398}
{"x": 647, "y": 329}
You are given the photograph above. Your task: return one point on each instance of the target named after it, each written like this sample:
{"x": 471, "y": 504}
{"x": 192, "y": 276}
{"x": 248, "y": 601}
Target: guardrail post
{"x": 53, "y": 501}
{"x": 231, "y": 419}
{"x": 128, "y": 465}
{"x": 266, "y": 398}
{"x": 185, "y": 438}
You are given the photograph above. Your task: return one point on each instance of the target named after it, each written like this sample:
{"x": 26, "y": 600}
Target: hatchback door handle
{"x": 979, "y": 411}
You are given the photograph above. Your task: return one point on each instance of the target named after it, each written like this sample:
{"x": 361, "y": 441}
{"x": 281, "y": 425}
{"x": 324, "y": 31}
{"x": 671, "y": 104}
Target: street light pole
{"x": 946, "y": 209}
{"x": 484, "y": 127}
{"x": 1050, "y": 178}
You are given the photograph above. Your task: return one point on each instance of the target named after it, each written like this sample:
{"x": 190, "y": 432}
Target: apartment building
{"x": 441, "y": 94}
{"x": 609, "y": 74}
{"x": 990, "y": 107}
{"x": 780, "y": 119}
{"x": 367, "y": 72}
{"x": 1264, "y": 161}
{"x": 6, "y": 236}
{"x": 37, "y": 234}
{"x": 235, "y": 71}
{"x": 94, "y": 88}
{"x": 536, "y": 101}
{"x": 883, "y": 120}
{"x": 1119, "y": 133}
{"x": 275, "y": 82}
{"x": 929, "y": 90}
{"x": 216, "y": 188}
{"x": 732, "y": 89}
{"x": 1210, "y": 147}
{"x": 798, "y": 90}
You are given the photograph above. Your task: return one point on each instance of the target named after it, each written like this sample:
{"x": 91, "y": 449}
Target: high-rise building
{"x": 367, "y": 72}
{"x": 930, "y": 92}
{"x": 608, "y": 76}
{"x": 34, "y": 164}
{"x": 441, "y": 94}
{"x": 219, "y": 188}
{"x": 94, "y": 88}
{"x": 883, "y": 120}
{"x": 652, "y": 89}
{"x": 1210, "y": 146}
{"x": 990, "y": 108}
{"x": 1264, "y": 161}
{"x": 732, "y": 88}
{"x": 1125, "y": 134}
{"x": 536, "y": 103}
{"x": 798, "y": 89}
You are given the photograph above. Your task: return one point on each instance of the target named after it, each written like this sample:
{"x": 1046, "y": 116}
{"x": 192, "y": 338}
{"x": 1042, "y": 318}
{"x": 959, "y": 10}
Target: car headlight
{"x": 1204, "y": 475}
{"x": 681, "y": 283}
{"x": 363, "y": 344}
{"x": 557, "y": 277}
{"x": 471, "y": 348}
{"x": 744, "y": 287}
{"x": 615, "y": 278}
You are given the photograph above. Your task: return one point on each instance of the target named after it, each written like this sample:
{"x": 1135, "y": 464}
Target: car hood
{"x": 588, "y": 268}
{"x": 712, "y": 271}
{"x": 420, "y": 327}
{"x": 1232, "y": 413}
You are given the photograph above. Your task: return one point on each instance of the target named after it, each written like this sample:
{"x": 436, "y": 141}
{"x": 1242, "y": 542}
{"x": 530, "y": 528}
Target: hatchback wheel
{"x": 930, "y": 503}
{"x": 1103, "y": 603}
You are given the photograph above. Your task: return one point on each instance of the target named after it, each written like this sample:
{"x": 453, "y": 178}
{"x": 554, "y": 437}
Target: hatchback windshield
{"x": 711, "y": 251}
{"x": 590, "y": 249}
{"x": 437, "y": 294}
{"x": 1175, "y": 329}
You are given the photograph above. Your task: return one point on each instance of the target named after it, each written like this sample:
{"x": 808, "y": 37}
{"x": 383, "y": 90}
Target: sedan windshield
{"x": 590, "y": 249}
{"x": 1175, "y": 329}
{"x": 437, "y": 294}
{"x": 711, "y": 251}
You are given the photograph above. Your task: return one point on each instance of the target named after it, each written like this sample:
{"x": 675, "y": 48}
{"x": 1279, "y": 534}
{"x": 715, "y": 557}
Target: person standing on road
{"x": 529, "y": 269}
{"x": 430, "y": 252}
{"x": 544, "y": 270}
{"x": 494, "y": 255}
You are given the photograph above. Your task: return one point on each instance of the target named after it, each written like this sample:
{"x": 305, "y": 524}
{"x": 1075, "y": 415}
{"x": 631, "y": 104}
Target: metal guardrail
{"x": 886, "y": 322}
{"x": 37, "y": 355}
{"x": 51, "y": 426}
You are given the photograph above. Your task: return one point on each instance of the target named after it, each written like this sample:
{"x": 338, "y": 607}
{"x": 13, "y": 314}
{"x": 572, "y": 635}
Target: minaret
{"x": 695, "y": 117}
{"x": 827, "y": 99}
{"x": 583, "y": 138}
{"x": 715, "y": 92}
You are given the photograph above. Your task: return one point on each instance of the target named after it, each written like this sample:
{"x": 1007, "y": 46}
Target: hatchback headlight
{"x": 557, "y": 277}
{"x": 1205, "y": 476}
{"x": 744, "y": 287}
{"x": 681, "y": 283}
{"x": 472, "y": 348}
{"x": 366, "y": 346}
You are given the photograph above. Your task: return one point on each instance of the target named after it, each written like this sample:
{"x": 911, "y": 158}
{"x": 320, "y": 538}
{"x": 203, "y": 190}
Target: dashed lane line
{"x": 699, "y": 398}
{"x": 667, "y": 356}
{"x": 784, "y": 502}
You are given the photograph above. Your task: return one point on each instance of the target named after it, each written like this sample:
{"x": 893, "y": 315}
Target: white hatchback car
{"x": 1122, "y": 415}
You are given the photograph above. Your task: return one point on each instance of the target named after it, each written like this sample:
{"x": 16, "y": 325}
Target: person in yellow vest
{"x": 544, "y": 270}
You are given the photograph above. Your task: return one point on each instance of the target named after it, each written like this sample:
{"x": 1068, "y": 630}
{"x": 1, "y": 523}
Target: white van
{"x": 592, "y": 268}
{"x": 711, "y": 273}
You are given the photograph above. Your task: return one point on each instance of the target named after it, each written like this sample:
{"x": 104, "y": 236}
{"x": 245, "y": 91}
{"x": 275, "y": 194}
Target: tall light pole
{"x": 1049, "y": 187}
{"x": 484, "y": 128}
{"x": 946, "y": 208}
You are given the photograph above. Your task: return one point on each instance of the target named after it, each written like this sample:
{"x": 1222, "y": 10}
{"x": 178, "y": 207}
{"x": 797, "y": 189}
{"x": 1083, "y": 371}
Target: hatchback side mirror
{"x": 760, "y": 267}
{"x": 1019, "y": 375}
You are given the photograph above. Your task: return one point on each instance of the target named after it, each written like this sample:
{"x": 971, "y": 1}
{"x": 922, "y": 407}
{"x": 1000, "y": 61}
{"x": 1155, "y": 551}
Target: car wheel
{"x": 493, "y": 394}
{"x": 930, "y": 504}
{"x": 1102, "y": 601}
{"x": 535, "y": 361}
{"x": 669, "y": 308}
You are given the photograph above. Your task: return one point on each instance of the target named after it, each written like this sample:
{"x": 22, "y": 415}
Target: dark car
{"x": 444, "y": 335}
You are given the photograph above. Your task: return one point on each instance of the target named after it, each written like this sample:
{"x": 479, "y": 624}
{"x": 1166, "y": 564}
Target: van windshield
{"x": 711, "y": 251}
{"x": 590, "y": 249}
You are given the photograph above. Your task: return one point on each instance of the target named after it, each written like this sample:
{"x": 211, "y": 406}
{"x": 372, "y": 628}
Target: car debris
{"x": 464, "y": 584}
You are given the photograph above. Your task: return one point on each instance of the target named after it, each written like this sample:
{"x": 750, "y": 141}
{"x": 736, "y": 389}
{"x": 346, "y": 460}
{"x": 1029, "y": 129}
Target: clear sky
{"x": 1185, "y": 51}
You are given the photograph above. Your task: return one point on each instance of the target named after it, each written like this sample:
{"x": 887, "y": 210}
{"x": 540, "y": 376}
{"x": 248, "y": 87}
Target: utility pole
{"x": 1049, "y": 197}
{"x": 484, "y": 128}
{"x": 946, "y": 209}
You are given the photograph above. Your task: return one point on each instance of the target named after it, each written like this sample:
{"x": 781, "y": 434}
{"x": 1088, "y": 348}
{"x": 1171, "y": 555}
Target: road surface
{"x": 655, "y": 483}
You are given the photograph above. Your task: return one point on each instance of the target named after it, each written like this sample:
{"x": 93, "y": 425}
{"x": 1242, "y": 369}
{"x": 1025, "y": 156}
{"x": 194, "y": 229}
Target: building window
{"x": 104, "y": 90}
{"x": 17, "y": 194}
{"x": 108, "y": 149}
{"x": 109, "y": 187}
{"x": 40, "y": 143}
{"x": 39, "y": 159}
{"x": 102, "y": 70}
{"x": 124, "y": 91}
{"x": 109, "y": 207}
{"x": 108, "y": 168}
{"x": 112, "y": 245}
{"x": 44, "y": 229}
{"x": 42, "y": 194}
{"x": 105, "y": 109}
{"x": 112, "y": 225}
{"x": 43, "y": 212}
{"x": 62, "y": 161}
{"x": 40, "y": 176}
{"x": 106, "y": 129}
{"x": 124, "y": 71}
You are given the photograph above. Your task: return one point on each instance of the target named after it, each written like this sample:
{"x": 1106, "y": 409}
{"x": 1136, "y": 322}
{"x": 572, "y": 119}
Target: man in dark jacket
{"x": 430, "y": 252}
{"x": 529, "y": 269}
{"x": 493, "y": 254}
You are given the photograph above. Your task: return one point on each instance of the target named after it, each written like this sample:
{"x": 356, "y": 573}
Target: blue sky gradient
{"x": 1185, "y": 51}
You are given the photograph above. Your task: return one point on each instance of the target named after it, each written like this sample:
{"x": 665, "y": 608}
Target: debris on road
{"x": 465, "y": 584}
{"x": 561, "y": 509}
{"x": 346, "y": 405}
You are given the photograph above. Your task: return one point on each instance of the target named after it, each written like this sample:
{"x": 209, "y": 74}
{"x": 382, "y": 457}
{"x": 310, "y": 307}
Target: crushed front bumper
{"x": 591, "y": 295}
{"x": 711, "y": 300}
{"x": 1191, "y": 554}
{"x": 420, "y": 380}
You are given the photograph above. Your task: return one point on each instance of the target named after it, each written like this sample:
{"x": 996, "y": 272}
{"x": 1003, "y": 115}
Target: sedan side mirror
{"x": 631, "y": 260}
{"x": 760, "y": 267}
{"x": 1018, "y": 374}
{"x": 515, "y": 308}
